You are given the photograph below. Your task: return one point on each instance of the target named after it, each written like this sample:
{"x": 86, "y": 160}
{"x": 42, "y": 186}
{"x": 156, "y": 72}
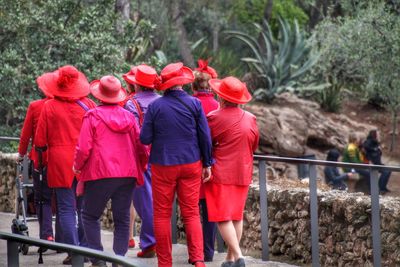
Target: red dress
{"x": 29, "y": 130}
{"x": 235, "y": 136}
{"x": 58, "y": 128}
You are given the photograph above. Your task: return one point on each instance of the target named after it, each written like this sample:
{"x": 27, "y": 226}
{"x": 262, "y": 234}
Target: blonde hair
{"x": 200, "y": 81}
{"x": 353, "y": 138}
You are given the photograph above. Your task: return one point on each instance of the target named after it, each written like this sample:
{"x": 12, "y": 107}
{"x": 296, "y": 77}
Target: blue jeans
{"x": 96, "y": 195}
{"x": 68, "y": 209}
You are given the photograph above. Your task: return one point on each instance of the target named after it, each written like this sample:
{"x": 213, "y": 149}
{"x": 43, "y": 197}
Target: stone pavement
{"x": 53, "y": 259}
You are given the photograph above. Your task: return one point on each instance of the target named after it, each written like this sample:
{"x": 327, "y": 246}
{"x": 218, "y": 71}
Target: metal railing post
{"x": 375, "y": 216}
{"x": 12, "y": 253}
{"x": 314, "y": 216}
{"x": 77, "y": 260}
{"x": 264, "y": 210}
{"x": 174, "y": 222}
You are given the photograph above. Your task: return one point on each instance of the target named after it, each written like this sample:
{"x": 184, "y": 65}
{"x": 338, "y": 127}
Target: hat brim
{"x": 186, "y": 77}
{"x": 131, "y": 79}
{"x": 48, "y": 83}
{"x": 44, "y": 90}
{"x": 95, "y": 90}
{"x": 215, "y": 85}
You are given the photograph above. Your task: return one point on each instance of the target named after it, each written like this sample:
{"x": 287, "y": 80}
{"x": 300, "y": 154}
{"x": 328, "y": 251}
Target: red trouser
{"x": 185, "y": 180}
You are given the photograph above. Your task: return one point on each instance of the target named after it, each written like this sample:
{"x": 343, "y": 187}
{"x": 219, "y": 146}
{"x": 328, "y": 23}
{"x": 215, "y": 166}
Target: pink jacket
{"x": 109, "y": 145}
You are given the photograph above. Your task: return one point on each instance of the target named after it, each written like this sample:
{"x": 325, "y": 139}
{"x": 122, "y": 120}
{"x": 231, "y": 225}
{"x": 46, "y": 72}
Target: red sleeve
{"x": 27, "y": 131}
{"x": 41, "y": 131}
{"x": 257, "y": 134}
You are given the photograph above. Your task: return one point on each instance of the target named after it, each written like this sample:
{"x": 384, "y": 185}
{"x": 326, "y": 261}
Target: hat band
{"x": 108, "y": 92}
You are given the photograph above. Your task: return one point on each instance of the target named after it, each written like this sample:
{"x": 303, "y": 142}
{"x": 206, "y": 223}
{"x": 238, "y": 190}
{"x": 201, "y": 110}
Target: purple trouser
{"x": 43, "y": 194}
{"x": 209, "y": 232}
{"x": 96, "y": 195}
{"x": 68, "y": 206}
{"x": 143, "y": 202}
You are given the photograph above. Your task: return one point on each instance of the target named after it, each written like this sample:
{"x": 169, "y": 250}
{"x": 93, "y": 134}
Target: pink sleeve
{"x": 85, "y": 144}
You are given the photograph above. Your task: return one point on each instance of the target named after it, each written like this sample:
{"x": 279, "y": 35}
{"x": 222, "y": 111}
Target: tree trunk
{"x": 394, "y": 130}
{"x": 268, "y": 10}
{"x": 183, "y": 43}
{"x": 123, "y": 8}
{"x": 215, "y": 39}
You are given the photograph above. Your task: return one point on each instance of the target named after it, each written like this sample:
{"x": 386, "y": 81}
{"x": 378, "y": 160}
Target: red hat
{"x": 175, "y": 74}
{"x": 45, "y": 91}
{"x": 231, "y": 89}
{"x": 67, "y": 81}
{"x": 144, "y": 75}
{"x": 108, "y": 89}
{"x": 131, "y": 73}
{"x": 204, "y": 68}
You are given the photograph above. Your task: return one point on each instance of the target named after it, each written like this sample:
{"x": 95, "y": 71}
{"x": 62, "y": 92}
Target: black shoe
{"x": 67, "y": 260}
{"x": 239, "y": 263}
{"x": 227, "y": 264}
{"x": 99, "y": 263}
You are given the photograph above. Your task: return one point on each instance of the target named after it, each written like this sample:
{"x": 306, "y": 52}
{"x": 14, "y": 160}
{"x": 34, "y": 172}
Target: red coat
{"x": 29, "y": 130}
{"x": 235, "y": 136}
{"x": 58, "y": 128}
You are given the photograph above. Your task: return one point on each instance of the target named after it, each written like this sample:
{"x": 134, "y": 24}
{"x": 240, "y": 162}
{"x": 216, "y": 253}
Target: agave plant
{"x": 280, "y": 61}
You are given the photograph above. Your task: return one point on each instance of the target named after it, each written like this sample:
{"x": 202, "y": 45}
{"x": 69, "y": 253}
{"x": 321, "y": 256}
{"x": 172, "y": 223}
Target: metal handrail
{"x": 13, "y": 241}
{"x": 326, "y": 163}
{"x": 8, "y": 139}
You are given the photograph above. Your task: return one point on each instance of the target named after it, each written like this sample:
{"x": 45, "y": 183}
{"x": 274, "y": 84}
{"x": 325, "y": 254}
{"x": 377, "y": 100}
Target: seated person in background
{"x": 332, "y": 175}
{"x": 351, "y": 154}
{"x": 373, "y": 153}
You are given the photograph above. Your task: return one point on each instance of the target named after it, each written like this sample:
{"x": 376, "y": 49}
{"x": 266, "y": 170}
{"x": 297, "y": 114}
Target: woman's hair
{"x": 130, "y": 88}
{"x": 200, "y": 81}
{"x": 353, "y": 137}
{"x": 143, "y": 88}
{"x": 333, "y": 155}
{"x": 227, "y": 103}
{"x": 373, "y": 134}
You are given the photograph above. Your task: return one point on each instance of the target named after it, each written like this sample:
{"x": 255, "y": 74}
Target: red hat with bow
{"x": 204, "y": 68}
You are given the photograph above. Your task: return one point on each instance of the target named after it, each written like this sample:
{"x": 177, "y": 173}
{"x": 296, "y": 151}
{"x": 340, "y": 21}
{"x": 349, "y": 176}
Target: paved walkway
{"x": 53, "y": 259}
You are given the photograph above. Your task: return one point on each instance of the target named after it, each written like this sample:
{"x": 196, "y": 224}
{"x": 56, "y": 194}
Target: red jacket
{"x": 58, "y": 129}
{"x": 29, "y": 130}
{"x": 235, "y": 136}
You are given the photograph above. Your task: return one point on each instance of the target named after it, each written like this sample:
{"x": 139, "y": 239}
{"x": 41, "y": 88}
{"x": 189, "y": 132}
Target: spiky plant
{"x": 280, "y": 61}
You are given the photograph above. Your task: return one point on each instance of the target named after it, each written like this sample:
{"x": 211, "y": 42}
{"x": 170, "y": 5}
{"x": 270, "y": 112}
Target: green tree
{"x": 41, "y": 35}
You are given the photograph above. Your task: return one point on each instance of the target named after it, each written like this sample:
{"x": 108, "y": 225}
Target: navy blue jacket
{"x": 334, "y": 178}
{"x": 175, "y": 135}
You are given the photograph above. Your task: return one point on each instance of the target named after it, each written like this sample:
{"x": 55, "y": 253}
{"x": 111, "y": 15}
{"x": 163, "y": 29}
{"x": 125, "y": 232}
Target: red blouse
{"x": 235, "y": 136}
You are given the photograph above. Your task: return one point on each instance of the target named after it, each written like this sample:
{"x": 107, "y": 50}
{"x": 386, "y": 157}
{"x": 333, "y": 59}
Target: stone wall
{"x": 344, "y": 223}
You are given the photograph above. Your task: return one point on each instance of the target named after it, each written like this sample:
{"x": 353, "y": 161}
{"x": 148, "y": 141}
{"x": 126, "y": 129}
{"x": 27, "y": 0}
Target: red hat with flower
{"x": 67, "y": 81}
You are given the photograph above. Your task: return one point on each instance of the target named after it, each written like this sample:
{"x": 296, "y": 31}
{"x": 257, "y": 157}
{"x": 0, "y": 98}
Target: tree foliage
{"x": 39, "y": 36}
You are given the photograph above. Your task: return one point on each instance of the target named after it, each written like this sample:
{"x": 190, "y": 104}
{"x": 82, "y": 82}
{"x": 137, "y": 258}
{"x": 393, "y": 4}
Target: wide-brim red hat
{"x": 145, "y": 76}
{"x": 108, "y": 89}
{"x": 175, "y": 74}
{"x": 231, "y": 89}
{"x": 128, "y": 77}
{"x": 44, "y": 91}
{"x": 67, "y": 81}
